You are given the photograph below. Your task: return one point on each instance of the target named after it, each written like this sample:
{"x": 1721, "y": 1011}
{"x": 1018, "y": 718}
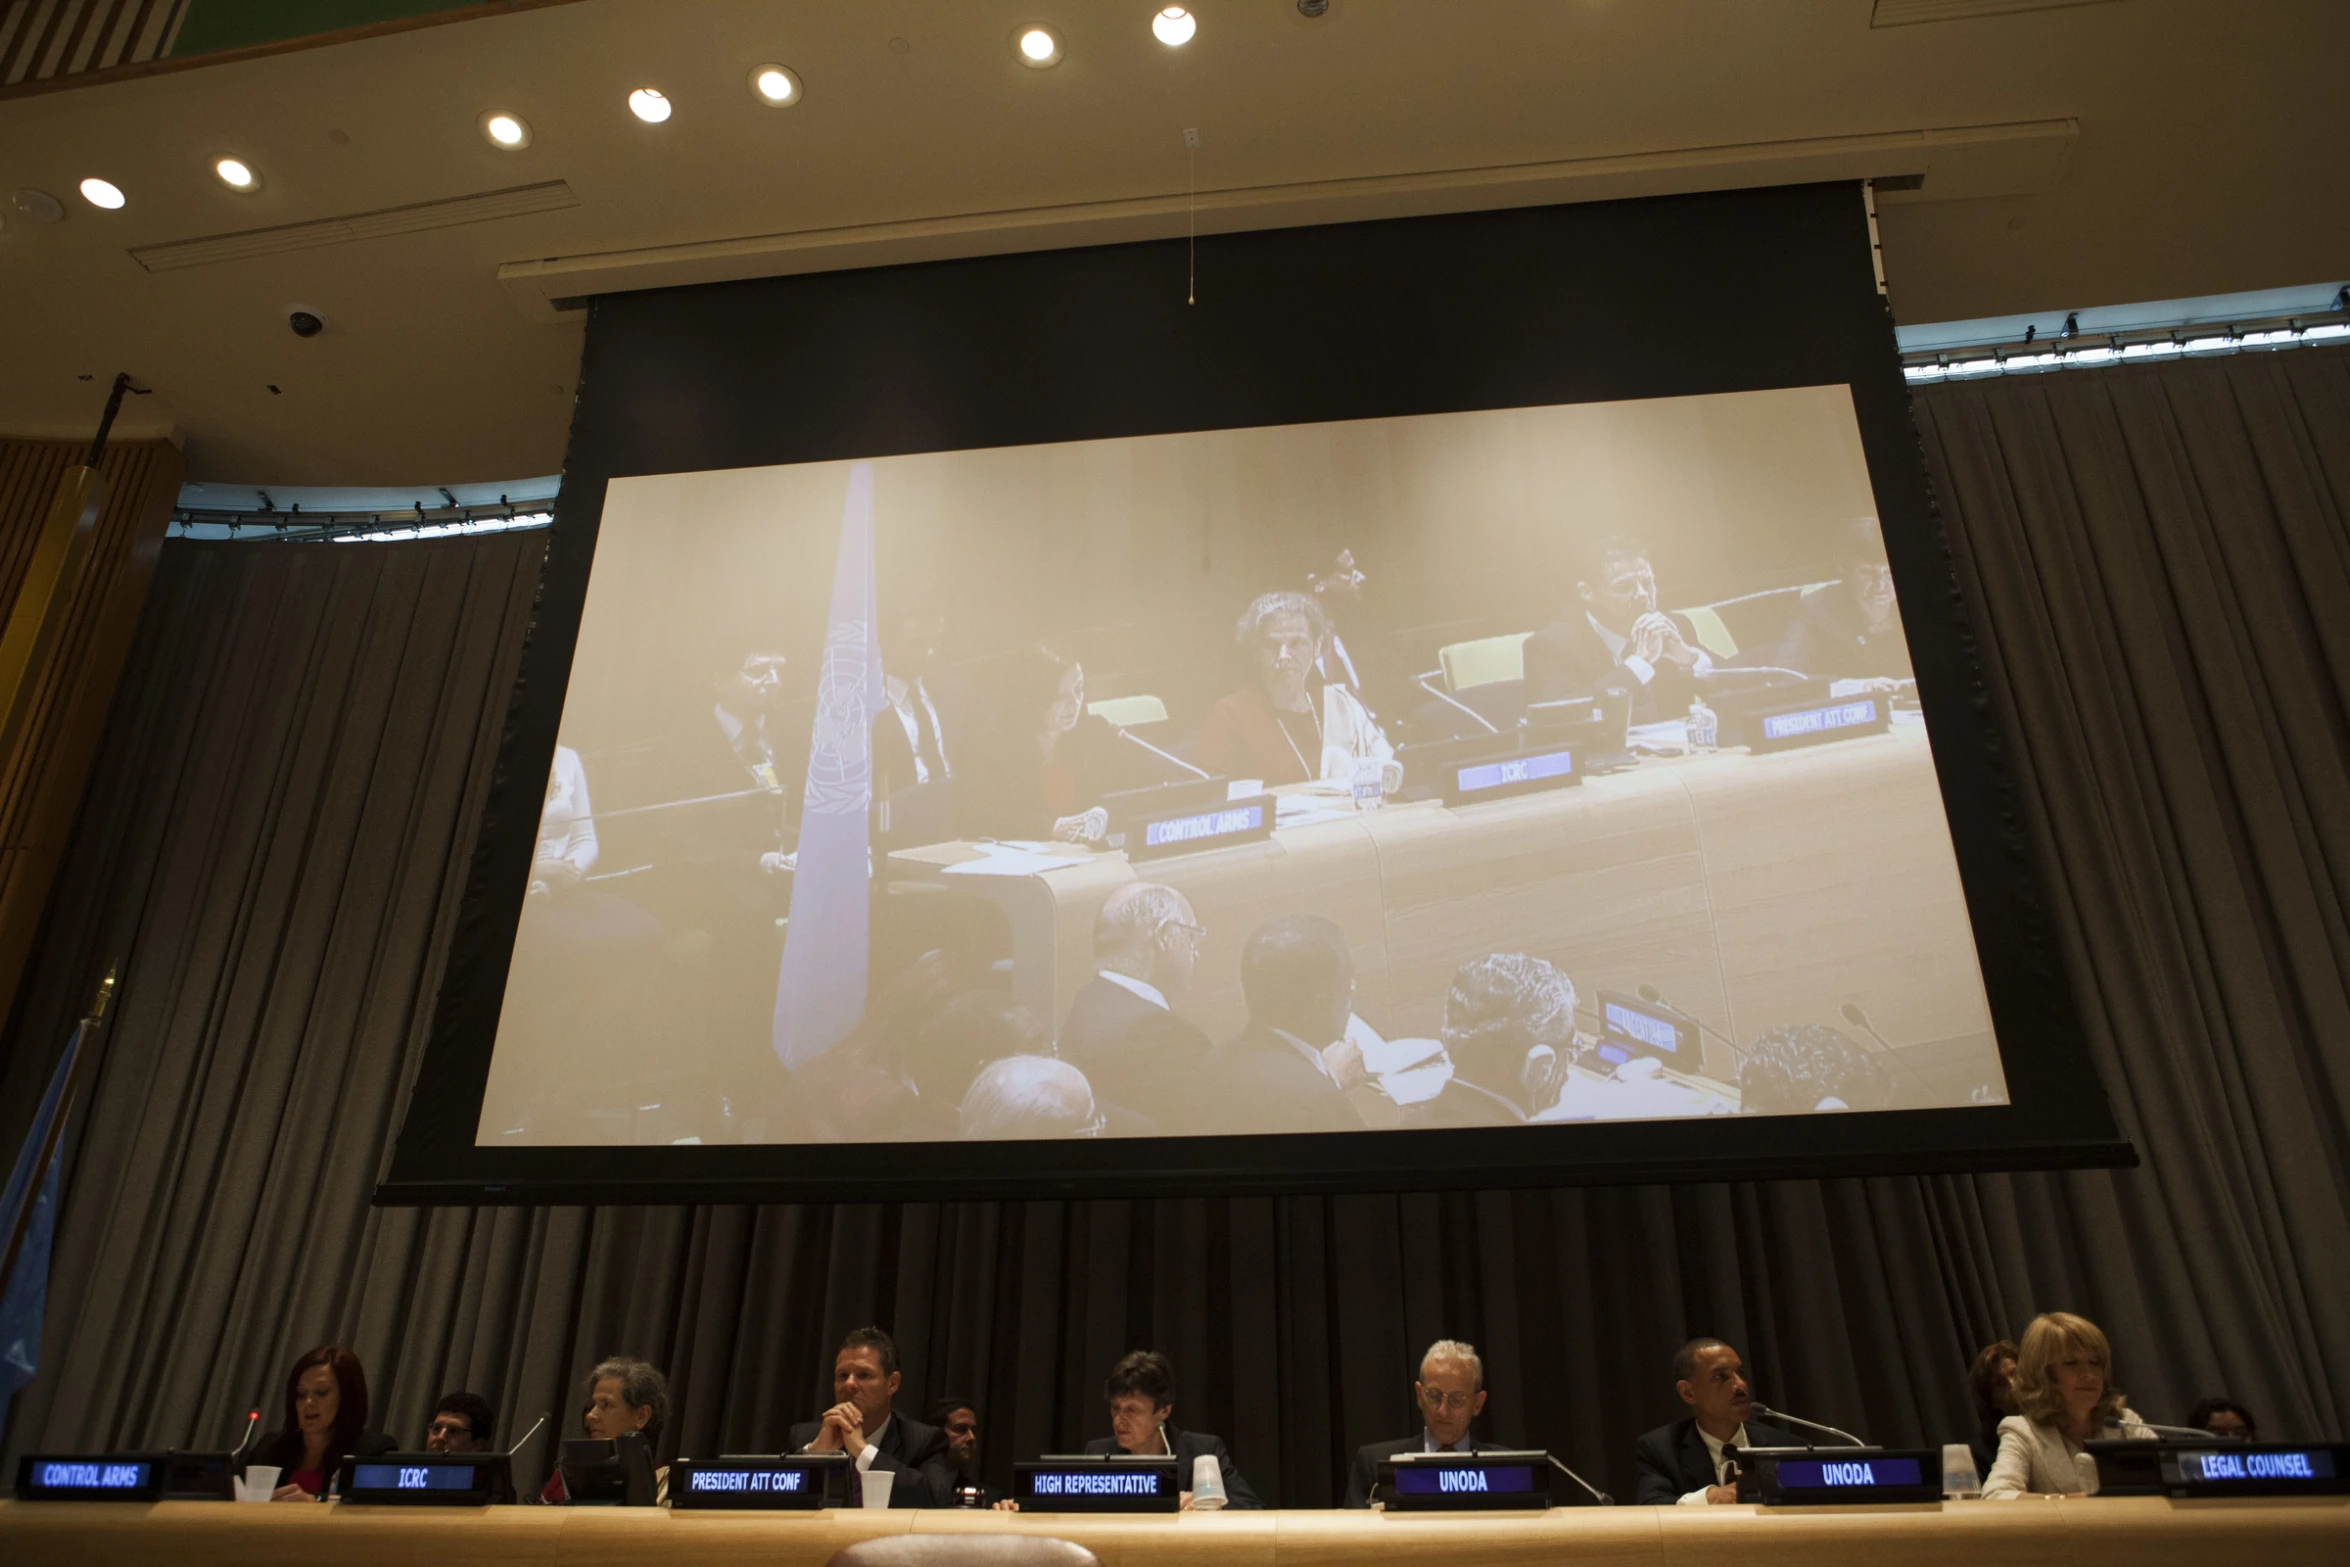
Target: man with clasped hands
{"x": 862, "y": 1425}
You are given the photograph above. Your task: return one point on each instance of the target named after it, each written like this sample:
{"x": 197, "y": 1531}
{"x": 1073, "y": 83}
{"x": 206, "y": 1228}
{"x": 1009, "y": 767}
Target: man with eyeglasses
{"x": 1450, "y": 1393}
{"x": 1145, "y": 1064}
{"x": 461, "y": 1423}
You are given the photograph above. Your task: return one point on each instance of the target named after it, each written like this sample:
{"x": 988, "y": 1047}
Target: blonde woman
{"x": 2066, "y": 1397}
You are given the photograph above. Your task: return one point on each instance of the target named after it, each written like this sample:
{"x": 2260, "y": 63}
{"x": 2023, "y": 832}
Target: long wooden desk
{"x": 1752, "y": 891}
{"x": 2031, "y": 1532}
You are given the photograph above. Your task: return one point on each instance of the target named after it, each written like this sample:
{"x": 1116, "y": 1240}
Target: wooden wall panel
{"x": 41, "y": 779}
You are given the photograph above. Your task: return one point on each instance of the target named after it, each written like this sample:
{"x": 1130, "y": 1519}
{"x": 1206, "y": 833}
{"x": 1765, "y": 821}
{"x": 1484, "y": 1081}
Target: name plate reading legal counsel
{"x": 1466, "y": 1482}
{"x": 424, "y": 1480}
{"x": 2256, "y": 1469}
{"x": 1097, "y": 1483}
{"x": 758, "y": 1483}
{"x": 117, "y": 1477}
{"x": 1784, "y": 728}
{"x": 1840, "y": 1476}
{"x": 1501, "y": 777}
{"x": 1154, "y": 834}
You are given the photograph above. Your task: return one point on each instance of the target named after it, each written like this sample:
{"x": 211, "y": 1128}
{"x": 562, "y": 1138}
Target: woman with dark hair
{"x": 1046, "y": 763}
{"x": 325, "y": 1422}
{"x": 1992, "y": 1381}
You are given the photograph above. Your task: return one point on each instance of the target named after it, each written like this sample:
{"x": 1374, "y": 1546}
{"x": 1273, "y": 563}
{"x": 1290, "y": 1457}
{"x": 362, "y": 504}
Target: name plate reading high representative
{"x": 796, "y": 1480}
{"x": 1152, "y": 835}
{"x": 124, "y": 1477}
{"x": 1783, "y": 729}
{"x": 423, "y": 1480}
{"x": 1467, "y": 1482}
{"x": 1098, "y": 1484}
{"x": 1840, "y": 1476}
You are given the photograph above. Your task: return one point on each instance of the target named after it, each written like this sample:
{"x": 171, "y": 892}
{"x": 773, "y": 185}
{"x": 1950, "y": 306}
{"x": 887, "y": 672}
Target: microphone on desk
{"x": 1597, "y": 1495}
{"x": 252, "y": 1419}
{"x": 522, "y": 1440}
{"x": 1768, "y": 1413}
{"x": 1165, "y": 756}
{"x": 1656, "y": 998}
{"x": 2190, "y": 1434}
{"x": 1452, "y": 701}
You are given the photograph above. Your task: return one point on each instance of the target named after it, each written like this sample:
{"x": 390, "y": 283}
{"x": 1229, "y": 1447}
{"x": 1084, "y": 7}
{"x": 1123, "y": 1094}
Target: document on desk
{"x": 1014, "y": 859}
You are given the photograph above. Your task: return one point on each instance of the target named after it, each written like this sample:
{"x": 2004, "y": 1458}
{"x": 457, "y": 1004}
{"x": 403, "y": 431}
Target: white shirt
{"x": 1713, "y": 1450}
{"x": 872, "y": 1449}
{"x": 567, "y": 823}
{"x": 1149, "y": 993}
{"x": 902, "y": 697}
{"x": 1429, "y": 1444}
{"x": 1642, "y": 670}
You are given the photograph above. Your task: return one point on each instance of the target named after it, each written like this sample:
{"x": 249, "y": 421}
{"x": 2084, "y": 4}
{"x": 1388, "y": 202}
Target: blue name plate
{"x": 1504, "y": 776}
{"x": 1815, "y": 722}
{"x": 1439, "y": 1482}
{"x": 1189, "y": 831}
{"x": 423, "y": 1480}
{"x": 754, "y": 1483}
{"x": 1098, "y": 1485}
{"x": 2256, "y": 1469}
{"x": 1864, "y": 1473}
{"x": 114, "y": 1478}
{"x": 1810, "y": 1477}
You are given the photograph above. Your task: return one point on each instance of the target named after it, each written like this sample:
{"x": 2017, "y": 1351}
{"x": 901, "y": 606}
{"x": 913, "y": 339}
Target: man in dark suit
{"x": 1687, "y": 1462}
{"x": 1849, "y": 629}
{"x": 1613, "y": 634}
{"x": 1450, "y": 1393}
{"x": 1146, "y": 1064}
{"x": 861, "y": 1424}
{"x": 1141, "y": 1390}
{"x": 1282, "y": 1072}
{"x": 1509, "y": 1030}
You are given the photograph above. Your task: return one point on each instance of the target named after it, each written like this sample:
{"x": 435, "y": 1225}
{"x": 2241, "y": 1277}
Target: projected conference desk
{"x": 1749, "y": 890}
{"x": 2033, "y": 1532}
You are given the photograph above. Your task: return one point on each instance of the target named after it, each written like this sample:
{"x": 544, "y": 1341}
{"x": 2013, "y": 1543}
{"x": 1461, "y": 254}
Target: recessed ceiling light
{"x": 507, "y": 132}
{"x": 1037, "y": 47}
{"x": 99, "y": 193}
{"x": 775, "y": 85}
{"x": 648, "y": 105}
{"x": 237, "y": 174}
{"x": 1174, "y": 26}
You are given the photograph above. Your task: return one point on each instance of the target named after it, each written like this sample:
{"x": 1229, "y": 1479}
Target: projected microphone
{"x": 1196, "y": 772}
{"x": 1768, "y": 1413}
{"x": 2189, "y": 1433}
{"x": 1860, "y": 1020}
{"x": 1597, "y": 1495}
{"x": 1724, "y": 672}
{"x": 1451, "y": 701}
{"x": 1656, "y": 998}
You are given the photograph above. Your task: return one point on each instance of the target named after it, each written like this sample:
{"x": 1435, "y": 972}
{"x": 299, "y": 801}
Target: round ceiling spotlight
{"x": 507, "y": 132}
{"x": 649, "y": 105}
{"x": 1174, "y": 26}
{"x": 237, "y": 175}
{"x": 101, "y": 193}
{"x": 775, "y": 86}
{"x": 1036, "y": 47}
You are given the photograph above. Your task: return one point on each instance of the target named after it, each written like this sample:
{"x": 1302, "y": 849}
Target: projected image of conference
{"x": 1524, "y": 767}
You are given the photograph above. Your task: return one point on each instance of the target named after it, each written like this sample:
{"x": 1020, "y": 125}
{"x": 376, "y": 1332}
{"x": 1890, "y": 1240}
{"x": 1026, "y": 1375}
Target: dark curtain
{"x": 2160, "y": 578}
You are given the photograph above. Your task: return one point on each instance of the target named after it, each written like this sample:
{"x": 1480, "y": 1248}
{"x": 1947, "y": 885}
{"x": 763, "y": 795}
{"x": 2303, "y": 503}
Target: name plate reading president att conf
{"x": 752, "y": 1483}
{"x": 1093, "y": 1484}
{"x": 1815, "y": 722}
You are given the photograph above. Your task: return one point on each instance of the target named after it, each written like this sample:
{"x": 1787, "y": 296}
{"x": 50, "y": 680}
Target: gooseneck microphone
{"x": 1768, "y": 1413}
{"x": 522, "y": 1440}
{"x": 1597, "y": 1495}
{"x": 1656, "y": 998}
{"x": 252, "y": 1419}
{"x": 1860, "y": 1020}
{"x": 2189, "y": 1433}
{"x": 1165, "y": 756}
{"x": 1454, "y": 702}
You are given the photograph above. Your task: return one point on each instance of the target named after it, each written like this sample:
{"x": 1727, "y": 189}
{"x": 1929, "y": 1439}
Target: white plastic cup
{"x": 874, "y": 1487}
{"x": 1207, "y": 1484}
{"x": 1958, "y": 1471}
{"x": 259, "y": 1483}
{"x": 1369, "y": 776}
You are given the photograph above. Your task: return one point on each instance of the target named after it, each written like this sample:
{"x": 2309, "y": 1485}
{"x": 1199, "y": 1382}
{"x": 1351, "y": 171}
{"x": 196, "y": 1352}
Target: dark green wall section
{"x": 213, "y": 25}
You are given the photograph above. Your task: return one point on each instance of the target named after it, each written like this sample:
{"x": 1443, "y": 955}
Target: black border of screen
{"x": 1663, "y": 297}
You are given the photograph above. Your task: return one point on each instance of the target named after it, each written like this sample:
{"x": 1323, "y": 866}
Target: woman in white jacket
{"x": 2064, "y": 1388}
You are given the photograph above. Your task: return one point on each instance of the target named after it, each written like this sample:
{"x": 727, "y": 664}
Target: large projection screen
{"x": 1463, "y": 702}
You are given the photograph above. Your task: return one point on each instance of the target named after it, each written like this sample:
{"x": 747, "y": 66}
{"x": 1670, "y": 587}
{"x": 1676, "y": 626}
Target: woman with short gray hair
{"x": 1281, "y": 729}
{"x": 625, "y": 1397}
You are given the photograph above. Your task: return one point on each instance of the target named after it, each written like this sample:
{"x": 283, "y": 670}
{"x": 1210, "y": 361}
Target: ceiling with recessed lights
{"x": 442, "y": 198}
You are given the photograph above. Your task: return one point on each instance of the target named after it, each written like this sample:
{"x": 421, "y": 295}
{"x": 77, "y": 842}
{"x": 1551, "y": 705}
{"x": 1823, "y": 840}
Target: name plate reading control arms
{"x": 426, "y": 1480}
{"x": 760, "y": 1483}
{"x": 1629, "y": 1026}
{"x": 1466, "y": 1482}
{"x": 1186, "y": 829}
{"x": 1815, "y": 722}
{"x": 1098, "y": 1483}
{"x": 1839, "y": 1476}
{"x": 2221, "y": 1468}
{"x": 119, "y": 1477}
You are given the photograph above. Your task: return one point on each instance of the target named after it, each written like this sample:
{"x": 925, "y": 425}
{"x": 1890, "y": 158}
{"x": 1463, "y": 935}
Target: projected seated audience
{"x": 1509, "y": 1028}
{"x": 1042, "y": 770}
{"x": 861, "y": 1423}
{"x": 325, "y": 1422}
{"x": 1612, "y": 632}
{"x": 1809, "y": 1066}
{"x": 1691, "y": 1462}
{"x": 1991, "y": 1380}
{"x": 1145, "y": 1063}
{"x": 624, "y": 1396}
{"x": 1030, "y": 1097}
{"x": 1141, "y": 1393}
{"x": 461, "y": 1423}
{"x": 1288, "y": 1069}
{"x": 913, "y": 772}
{"x": 1278, "y": 728}
{"x": 948, "y": 1050}
{"x": 2224, "y": 1417}
{"x": 2064, "y": 1398}
{"x": 1848, "y": 629}
{"x": 1450, "y": 1394}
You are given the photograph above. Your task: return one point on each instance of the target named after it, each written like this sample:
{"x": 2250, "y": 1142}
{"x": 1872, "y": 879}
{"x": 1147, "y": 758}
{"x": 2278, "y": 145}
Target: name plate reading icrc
{"x": 111, "y": 1478}
{"x": 1507, "y": 776}
{"x": 1098, "y": 1485}
{"x": 792, "y": 1481}
{"x": 424, "y": 1480}
{"x": 1814, "y": 722}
